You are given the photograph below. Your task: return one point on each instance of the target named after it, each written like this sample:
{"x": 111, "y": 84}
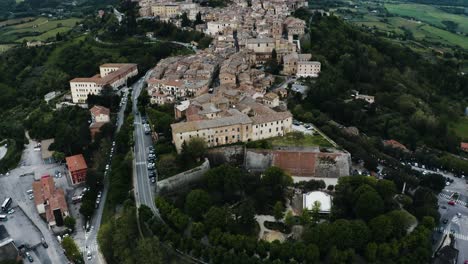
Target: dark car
{"x": 30, "y": 258}
{"x": 44, "y": 243}
{"x": 445, "y": 220}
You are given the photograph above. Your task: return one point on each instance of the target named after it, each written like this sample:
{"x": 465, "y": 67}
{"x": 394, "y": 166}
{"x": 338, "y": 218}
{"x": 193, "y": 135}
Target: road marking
{"x": 456, "y": 235}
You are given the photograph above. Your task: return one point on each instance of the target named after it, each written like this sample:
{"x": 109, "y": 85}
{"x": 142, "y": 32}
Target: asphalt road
{"x": 455, "y": 224}
{"x": 90, "y": 241}
{"x": 144, "y": 189}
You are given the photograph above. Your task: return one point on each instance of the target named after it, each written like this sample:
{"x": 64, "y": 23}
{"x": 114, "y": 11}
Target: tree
{"x": 71, "y": 250}
{"x": 87, "y": 207}
{"x": 371, "y": 252}
{"x": 271, "y": 65}
{"x": 198, "y": 19}
{"x": 278, "y": 211}
{"x": 381, "y": 228}
{"x": 192, "y": 151}
{"x": 216, "y": 217}
{"x": 148, "y": 250}
{"x": 330, "y": 188}
{"x": 58, "y": 156}
{"x": 315, "y": 212}
{"x": 275, "y": 181}
{"x": 289, "y": 219}
{"x": 198, "y": 230}
{"x": 185, "y": 20}
{"x": 369, "y": 205}
{"x": 245, "y": 217}
{"x": 69, "y": 222}
{"x": 197, "y": 203}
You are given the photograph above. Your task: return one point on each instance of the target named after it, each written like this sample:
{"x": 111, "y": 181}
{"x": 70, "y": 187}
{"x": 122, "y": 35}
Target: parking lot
{"x": 25, "y": 225}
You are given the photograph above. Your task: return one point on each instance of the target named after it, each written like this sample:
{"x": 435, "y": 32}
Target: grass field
{"x": 420, "y": 30}
{"x": 39, "y": 29}
{"x": 5, "y": 47}
{"x": 306, "y": 141}
{"x": 15, "y": 21}
{"x": 461, "y": 128}
{"x": 428, "y": 14}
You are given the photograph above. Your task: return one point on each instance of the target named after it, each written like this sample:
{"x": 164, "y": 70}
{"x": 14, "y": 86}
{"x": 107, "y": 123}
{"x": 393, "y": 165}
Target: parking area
{"x": 25, "y": 225}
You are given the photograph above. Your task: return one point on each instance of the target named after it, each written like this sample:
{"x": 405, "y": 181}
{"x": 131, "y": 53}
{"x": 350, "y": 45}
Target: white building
{"x": 308, "y": 68}
{"x": 114, "y": 75}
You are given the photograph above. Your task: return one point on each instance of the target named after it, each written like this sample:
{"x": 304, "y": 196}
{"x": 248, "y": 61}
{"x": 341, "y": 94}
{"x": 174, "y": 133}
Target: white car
{"x": 89, "y": 255}
{"x": 11, "y": 211}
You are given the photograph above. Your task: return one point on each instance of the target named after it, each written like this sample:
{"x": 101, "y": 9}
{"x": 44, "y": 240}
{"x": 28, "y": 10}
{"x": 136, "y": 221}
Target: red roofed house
{"x": 395, "y": 144}
{"x": 100, "y": 115}
{"x": 50, "y": 201}
{"x": 77, "y": 168}
{"x": 464, "y": 146}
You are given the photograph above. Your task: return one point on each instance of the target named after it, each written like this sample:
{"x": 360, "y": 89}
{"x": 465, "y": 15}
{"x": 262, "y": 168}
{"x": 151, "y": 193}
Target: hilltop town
{"x": 212, "y": 131}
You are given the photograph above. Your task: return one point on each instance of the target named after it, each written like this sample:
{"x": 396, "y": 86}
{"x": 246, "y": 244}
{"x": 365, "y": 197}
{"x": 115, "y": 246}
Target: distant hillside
{"x": 442, "y": 2}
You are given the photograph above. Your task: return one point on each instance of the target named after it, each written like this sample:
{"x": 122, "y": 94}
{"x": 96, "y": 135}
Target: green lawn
{"x": 461, "y": 128}
{"x": 428, "y": 14}
{"x": 46, "y": 35}
{"x": 306, "y": 141}
{"x": 5, "y": 47}
{"x": 39, "y": 29}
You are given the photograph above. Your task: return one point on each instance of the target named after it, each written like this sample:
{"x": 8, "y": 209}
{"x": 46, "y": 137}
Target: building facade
{"x": 308, "y": 68}
{"x": 77, "y": 168}
{"x": 113, "y": 75}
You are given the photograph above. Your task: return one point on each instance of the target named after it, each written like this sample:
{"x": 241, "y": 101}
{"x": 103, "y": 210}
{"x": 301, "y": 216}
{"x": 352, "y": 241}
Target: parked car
{"x": 11, "y": 211}
{"x": 445, "y": 220}
{"x": 44, "y": 243}
{"x": 153, "y": 180}
{"x": 89, "y": 256}
{"x": 451, "y": 203}
{"x": 30, "y": 258}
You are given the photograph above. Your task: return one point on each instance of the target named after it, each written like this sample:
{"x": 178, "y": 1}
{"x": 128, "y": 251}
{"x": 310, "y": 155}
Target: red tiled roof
{"x": 46, "y": 193}
{"x": 76, "y": 163}
{"x": 464, "y": 145}
{"x": 99, "y": 110}
{"x": 124, "y": 69}
{"x": 395, "y": 144}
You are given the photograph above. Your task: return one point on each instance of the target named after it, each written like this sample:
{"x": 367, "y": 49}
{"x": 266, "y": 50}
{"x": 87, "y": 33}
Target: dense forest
{"x": 415, "y": 100}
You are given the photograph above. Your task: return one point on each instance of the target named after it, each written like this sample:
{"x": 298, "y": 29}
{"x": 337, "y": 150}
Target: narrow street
{"x": 144, "y": 190}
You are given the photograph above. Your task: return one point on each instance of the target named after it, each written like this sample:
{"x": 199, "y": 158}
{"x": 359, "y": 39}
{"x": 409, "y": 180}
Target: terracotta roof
{"x": 76, "y": 163}
{"x": 236, "y": 119}
{"x": 464, "y": 145}
{"x": 394, "y": 144}
{"x": 271, "y": 96}
{"x": 124, "y": 69}
{"x": 99, "y": 110}
{"x": 52, "y": 198}
{"x": 43, "y": 189}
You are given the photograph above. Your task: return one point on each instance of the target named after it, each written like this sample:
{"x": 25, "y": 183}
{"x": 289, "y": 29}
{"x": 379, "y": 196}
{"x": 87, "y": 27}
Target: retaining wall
{"x": 183, "y": 179}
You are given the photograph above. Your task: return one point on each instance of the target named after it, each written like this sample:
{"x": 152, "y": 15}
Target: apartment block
{"x": 113, "y": 75}
{"x": 308, "y": 69}
{"x": 227, "y": 117}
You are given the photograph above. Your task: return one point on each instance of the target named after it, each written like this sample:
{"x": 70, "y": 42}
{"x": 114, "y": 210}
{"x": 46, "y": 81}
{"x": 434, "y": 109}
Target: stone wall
{"x": 233, "y": 155}
{"x": 307, "y": 162}
{"x": 183, "y": 179}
